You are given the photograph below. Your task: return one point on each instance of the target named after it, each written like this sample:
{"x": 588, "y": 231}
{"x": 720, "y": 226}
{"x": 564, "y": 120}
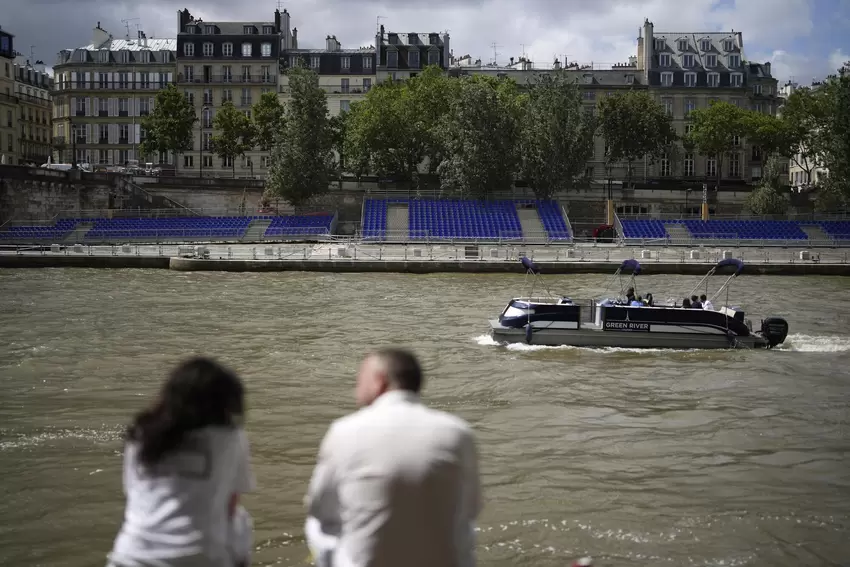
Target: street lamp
{"x": 204, "y": 109}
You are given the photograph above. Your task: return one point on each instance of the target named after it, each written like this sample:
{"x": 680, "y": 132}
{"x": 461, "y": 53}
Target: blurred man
{"x": 396, "y": 483}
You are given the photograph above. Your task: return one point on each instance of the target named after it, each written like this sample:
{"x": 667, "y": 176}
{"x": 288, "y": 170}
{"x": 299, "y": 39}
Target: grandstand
{"x": 175, "y": 229}
{"x": 464, "y": 219}
{"x": 677, "y": 231}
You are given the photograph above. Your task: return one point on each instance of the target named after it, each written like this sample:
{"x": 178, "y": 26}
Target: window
{"x": 710, "y": 61}
{"x": 190, "y": 96}
{"x": 293, "y": 61}
{"x": 266, "y": 50}
{"x": 226, "y": 95}
{"x": 690, "y": 105}
{"x": 189, "y": 49}
{"x": 123, "y": 133}
{"x": 736, "y": 102}
{"x": 705, "y": 44}
{"x": 344, "y": 86}
{"x": 392, "y": 59}
{"x": 757, "y": 107}
{"x": 588, "y": 95}
{"x": 667, "y": 103}
{"x": 665, "y": 167}
{"x": 734, "y": 165}
{"x": 207, "y": 118}
{"x": 146, "y": 56}
{"x": 711, "y": 166}
{"x": 736, "y": 79}
{"x": 227, "y": 161}
{"x": 144, "y": 80}
{"x": 248, "y": 30}
{"x": 690, "y": 79}
{"x": 246, "y": 97}
{"x": 755, "y": 173}
{"x": 266, "y": 73}
{"x": 367, "y": 84}
{"x": 756, "y": 153}
{"x": 713, "y": 79}
{"x": 246, "y": 73}
{"x": 247, "y": 114}
{"x": 736, "y": 140}
{"x": 103, "y": 131}
{"x": 208, "y": 96}
{"x": 104, "y": 56}
{"x": 227, "y": 49}
{"x": 81, "y": 106}
{"x": 103, "y": 106}
{"x": 144, "y": 106}
{"x": 666, "y": 79}
{"x": 208, "y": 49}
{"x": 268, "y": 30}
{"x": 687, "y": 60}
{"x": 125, "y": 56}
{"x": 757, "y": 89}
{"x": 265, "y": 161}
{"x": 264, "y": 90}
{"x": 659, "y": 44}
{"x": 207, "y": 161}
{"x": 246, "y": 50}
{"x": 344, "y": 105}
{"x": 207, "y": 141}
{"x": 689, "y": 165}
{"x": 188, "y": 73}
{"x": 345, "y": 62}
{"x": 226, "y": 74}
{"x": 683, "y": 45}
{"x": 433, "y": 57}
{"x": 209, "y": 30}
{"x": 630, "y": 79}
{"x": 664, "y": 59}
{"x": 315, "y": 60}
{"x": 413, "y": 59}
{"x": 123, "y": 80}
{"x": 728, "y": 45}
{"x": 188, "y": 161}
{"x": 734, "y": 61}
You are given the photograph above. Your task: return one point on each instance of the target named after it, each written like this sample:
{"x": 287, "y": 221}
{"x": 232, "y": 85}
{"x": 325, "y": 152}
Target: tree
{"x": 383, "y": 135}
{"x": 771, "y": 134}
{"x": 714, "y": 130}
{"x": 169, "y": 128}
{"x": 834, "y": 133}
{"x": 233, "y": 136}
{"x": 634, "y": 127}
{"x": 480, "y": 134}
{"x": 802, "y": 117}
{"x": 431, "y": 93}
{"x": 302, "y": 157}
{"x": 769, "y": 198}
{"x": 556, "y": 136}
{"x": 267, "y": 117}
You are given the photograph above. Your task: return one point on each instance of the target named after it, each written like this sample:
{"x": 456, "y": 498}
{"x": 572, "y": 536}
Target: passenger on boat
{"x": 630, "y": 295}
{"x": 695, "y": 304}
{"x": 706, "y": 303}
{"x": 686, "y": 303}
{"x": 637, "y": 302}
{"x": 649, "y": 301}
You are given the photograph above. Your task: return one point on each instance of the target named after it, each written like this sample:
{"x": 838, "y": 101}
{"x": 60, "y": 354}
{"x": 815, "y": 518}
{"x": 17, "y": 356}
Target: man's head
{"x": 385, "y": 370}
{"x": 703, "y": 298}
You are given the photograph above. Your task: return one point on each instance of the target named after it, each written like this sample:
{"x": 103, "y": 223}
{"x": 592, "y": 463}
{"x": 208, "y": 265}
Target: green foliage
{"x": 834, "y": 134}
{"x": 170, "y": 126}
{"x": 431, "y": 94}
{"x": 480, "y": 134}
{"x": 714, "y": 128}
{"x": 233, "y": 133}
{"x": 267, "y": 117}
{"x": 635, "y": 126}
{"x": 802, "y": 115}
{"x": 770, "y": 197}
{"x": 770, "y": 133}
{"x": 302, "y": 156}
{"x": 556, "y": 136}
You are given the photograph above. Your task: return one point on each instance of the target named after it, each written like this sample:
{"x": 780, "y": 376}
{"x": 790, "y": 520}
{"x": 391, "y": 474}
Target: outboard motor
{"x": 774, "y": 329}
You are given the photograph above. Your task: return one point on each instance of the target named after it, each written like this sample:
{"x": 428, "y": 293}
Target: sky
{"x": 803, "y": 39}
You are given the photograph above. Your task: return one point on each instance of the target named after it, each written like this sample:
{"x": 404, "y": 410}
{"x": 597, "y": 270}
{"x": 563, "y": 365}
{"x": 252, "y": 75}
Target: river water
{"x": 636, "y": 458}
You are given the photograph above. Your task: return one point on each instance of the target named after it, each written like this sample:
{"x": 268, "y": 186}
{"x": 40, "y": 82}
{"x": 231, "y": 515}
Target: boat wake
{"x": 794, "y": 343}
{"x": 809, "y": 343}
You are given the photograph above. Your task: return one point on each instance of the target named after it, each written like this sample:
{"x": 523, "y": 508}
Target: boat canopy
{"x": 734, "y": 262}
{"x": 529, "y": 265}
{"x": 630, "y": 265}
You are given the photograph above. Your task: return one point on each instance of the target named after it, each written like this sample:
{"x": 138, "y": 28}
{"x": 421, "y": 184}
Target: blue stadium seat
{"x": 839, "y": 230}
{"x": 746, "y": 229}
{"x": 645, "y": 228}
{"x": 301, "y": 226}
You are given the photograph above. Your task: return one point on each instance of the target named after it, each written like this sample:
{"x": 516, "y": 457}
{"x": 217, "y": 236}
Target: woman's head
{"x": 198, "y": 393}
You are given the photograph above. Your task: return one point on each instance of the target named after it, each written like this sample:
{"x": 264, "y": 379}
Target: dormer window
{"x": 210, "y": 30}
{"x": 630, "y": 79}
{"x": 683, "y": 45}
{"x": 664, "y": 59}
{"x": 189, "y": 49}
{"x": 705, "y": 44}
{"x": 146, "y": 56}
{"x": 710, "y": 61}
{"x": 588, "y": 80}
{"x": 413, "y": 59}
{"x": 191, "y": 28}
{"x": 687, "y": 61}
{"x": 659, "y": 44}
{"x": 736, "y": 80}
{"x": 248, "y": 30}
{"x": 165, "y": 56}
{"x": 268, "y": 30}
{"x": 734, "y": 61}
{"x": 125, "y": 56}
{"x": 104, "y": 56}
{"x": 728, "y": 45}
{"x": 392, "y": 59}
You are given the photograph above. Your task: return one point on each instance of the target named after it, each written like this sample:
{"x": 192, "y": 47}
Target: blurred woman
{"x": 186, "y": 462}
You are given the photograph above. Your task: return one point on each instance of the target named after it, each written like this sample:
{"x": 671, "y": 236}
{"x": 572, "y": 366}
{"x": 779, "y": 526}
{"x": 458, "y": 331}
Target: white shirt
{"x": 707, "y": 305}
{"x": 178, "y": 514}
{"x": 396, "y": 484}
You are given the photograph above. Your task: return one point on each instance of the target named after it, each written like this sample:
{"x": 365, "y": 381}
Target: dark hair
{"x": 402, "y": 368}
{"x": 694, "y": 298}
{"x": 703, "y": 297}
{"x": 686, "y": 302}
{"x": 198, "y": 393}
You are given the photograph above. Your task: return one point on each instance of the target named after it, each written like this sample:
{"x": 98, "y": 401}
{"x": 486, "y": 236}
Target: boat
{"x": 556, "y": 320}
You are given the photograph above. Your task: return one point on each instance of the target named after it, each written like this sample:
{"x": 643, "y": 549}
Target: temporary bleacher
{"x": 645, "y": 229}
{"x": 463, "y": 219}
{"x": 839, "y": 230}
{"x": 175, "y": 228}
{"x": 721, "y": 229}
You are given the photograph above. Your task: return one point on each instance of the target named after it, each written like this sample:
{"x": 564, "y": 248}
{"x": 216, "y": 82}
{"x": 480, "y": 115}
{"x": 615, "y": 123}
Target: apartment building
{"x": 225, "y": 61}
{"x": 32, "y": 89}
{"x": 8, "y": 101}
{"x": 346, "y": 75}
{"x": 100, "y": 93}
{"x": 403, "y": 55}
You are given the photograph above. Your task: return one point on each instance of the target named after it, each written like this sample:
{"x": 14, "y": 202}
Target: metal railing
{"x": 160, "y": 236}
{"x": 348, "y": 251}
{"x": 337, "y": 88}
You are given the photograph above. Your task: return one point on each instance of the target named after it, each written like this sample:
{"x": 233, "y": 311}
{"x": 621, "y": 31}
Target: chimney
{"x": 294, "y": 38}
{"x": 557, "y": 65}
{"x": 286, "y": 30}
{"x": 512, "y": 61}
{"x": 767, "y": 69}
{"x": 100, "y": 36}
{"x": 40, "y": 67}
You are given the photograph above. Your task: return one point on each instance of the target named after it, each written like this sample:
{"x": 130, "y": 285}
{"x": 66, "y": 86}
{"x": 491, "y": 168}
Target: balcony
{"x": 30, "y": 99}
{"x": 228, "y": 79}
{"x": 338, "y": 89}
{"x": 110, "y": 86}
{"x": 245, "y": 101}
{"x": 58, "y": 140}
